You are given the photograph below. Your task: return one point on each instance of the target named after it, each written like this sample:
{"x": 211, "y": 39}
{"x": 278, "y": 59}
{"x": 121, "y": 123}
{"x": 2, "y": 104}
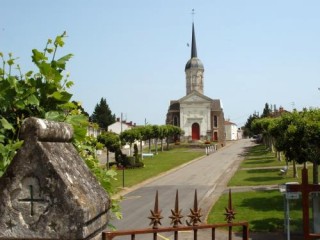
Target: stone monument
{"x": 48, "y": 191}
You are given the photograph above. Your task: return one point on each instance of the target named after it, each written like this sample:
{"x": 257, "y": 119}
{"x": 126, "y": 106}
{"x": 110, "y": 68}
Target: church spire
{"x": 193, "y": 44}
{"x": 194, "y": 69}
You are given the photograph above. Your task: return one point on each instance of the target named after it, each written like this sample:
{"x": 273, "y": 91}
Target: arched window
{"x": 215, "y": 121}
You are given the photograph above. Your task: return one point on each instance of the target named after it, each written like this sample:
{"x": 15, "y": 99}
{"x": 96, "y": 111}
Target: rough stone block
{"x": 48, "y": 191}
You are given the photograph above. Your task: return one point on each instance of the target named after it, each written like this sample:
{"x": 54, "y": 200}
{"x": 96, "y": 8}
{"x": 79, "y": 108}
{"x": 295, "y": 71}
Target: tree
{"x": 248, "y": 131}
{"x": 148, "y": 135}
{"x": 112, "y": 143}
{"x": 102, "y": 115}
{"x": 297, "y": 134}
{"x": 156, "y": 135}
{"x": 172, "y": 132}
{"x": 262, "y": 126}
{"x": 266, "y": 111}
{"x": 162, "y": 134}
{"x": 129, "y": 136}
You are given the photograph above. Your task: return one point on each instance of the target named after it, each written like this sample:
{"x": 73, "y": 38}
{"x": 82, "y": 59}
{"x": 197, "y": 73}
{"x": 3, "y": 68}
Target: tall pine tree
{"x": 266, "y": 111}
{"x": 102, "y": 115}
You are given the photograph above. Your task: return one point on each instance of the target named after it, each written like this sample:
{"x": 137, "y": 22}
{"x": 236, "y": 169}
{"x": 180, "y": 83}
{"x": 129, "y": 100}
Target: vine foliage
{"x": 44, "y": 94}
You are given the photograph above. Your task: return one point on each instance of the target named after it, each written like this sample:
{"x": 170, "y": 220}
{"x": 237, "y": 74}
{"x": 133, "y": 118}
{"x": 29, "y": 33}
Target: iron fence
{"x": 193, "y": 224}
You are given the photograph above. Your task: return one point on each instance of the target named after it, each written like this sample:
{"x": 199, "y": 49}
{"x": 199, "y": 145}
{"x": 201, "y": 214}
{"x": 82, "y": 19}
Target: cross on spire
{"x": 193, "y": 13}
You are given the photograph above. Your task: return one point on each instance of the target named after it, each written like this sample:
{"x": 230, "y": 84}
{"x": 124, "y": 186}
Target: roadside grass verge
{"x": 260, "y": 156}
{"x": 154, "y": 166}
{"x": 258, "y": 177}
{"x": 264, "y": 210}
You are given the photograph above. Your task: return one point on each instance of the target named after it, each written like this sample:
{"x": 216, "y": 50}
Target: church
{"x": 200, "y": 117}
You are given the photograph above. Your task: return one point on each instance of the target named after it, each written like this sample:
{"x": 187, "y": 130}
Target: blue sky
{"x": 133, "y": 53}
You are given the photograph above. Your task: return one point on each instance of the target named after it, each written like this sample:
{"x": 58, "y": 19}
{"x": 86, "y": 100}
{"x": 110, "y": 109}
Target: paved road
{"x": 209, "y": 175}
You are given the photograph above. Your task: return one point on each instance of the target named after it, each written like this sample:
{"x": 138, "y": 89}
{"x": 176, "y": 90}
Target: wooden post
{"x": 305, "y": 188}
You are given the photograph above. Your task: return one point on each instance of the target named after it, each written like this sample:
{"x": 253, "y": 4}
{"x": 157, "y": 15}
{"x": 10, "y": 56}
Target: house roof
{"x": 229, "y": 123}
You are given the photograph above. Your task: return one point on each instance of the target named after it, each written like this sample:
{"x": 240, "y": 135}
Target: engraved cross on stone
{"x": 32, "y": 200}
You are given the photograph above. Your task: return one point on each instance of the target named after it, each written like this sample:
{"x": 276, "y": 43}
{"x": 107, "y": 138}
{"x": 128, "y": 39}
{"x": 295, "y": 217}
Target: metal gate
{"x": 193, "y": 224}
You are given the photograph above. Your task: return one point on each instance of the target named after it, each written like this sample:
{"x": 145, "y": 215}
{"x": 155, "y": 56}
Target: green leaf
{"x": 37, "y": 56}
{"x": 5, "y": 124}
{"x": 61, "y": 62}
{"x": 28, "y": 74}
{"x": 61, "y": 96}
{"x": 2, "y": 137}
{"x": 69, "y": 84}
{"x": 20, "y": 104}
{"x": 32, "y": 100}
{"x": 79, "y": 133}
{"x": 49, "y": 72}
{"x": 16, "y": 145}
{"x": 79, "y": 120}
{"x": 54, "y": 116}
{"x": 68, "y": 106}
{"x": 79, "y": 124}
{"x": 10, "y": 62}
{"x": 12, "y": 81}
{"x": 59, "y": 41}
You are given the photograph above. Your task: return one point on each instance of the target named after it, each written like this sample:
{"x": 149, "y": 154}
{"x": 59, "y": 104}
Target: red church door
{"x": 195, "y": 131}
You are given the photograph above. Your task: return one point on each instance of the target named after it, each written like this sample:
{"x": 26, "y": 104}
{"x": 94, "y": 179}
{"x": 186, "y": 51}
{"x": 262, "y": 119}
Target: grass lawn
{"x": 263, "y": 210}
{"x": 160, "y": 163}
{"x": 255, "y": 169}
{"x": 256, "y": 177}
{"x": 259, "y": 156}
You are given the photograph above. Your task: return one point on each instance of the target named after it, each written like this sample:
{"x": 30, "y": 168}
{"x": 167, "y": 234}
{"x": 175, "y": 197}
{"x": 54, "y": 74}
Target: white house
{"x": 231, "y": 131}
{"x": 93, "y": 131}
{"x": 119, "y": 126}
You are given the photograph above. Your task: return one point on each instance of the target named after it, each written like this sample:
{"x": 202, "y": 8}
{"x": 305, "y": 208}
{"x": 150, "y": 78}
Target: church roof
{"x": 194, "y": 61}
{"x": 195, "y": 94}
{"x": 214, "y": 103}
{"x": 174, "y": 106}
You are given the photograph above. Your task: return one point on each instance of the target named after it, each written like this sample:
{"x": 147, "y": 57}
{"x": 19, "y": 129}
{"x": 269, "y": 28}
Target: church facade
{"x": 200, "y": 117}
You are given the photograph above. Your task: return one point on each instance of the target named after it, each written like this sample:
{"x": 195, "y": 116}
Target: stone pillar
{"x": 48, "y": 191}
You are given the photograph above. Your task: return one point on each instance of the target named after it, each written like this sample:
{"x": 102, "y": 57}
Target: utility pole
{"x": 122, "y": 159}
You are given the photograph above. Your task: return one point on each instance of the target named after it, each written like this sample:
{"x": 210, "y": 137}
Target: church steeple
{"x": 193, "y": 44}
{"x": 194, "y": 69}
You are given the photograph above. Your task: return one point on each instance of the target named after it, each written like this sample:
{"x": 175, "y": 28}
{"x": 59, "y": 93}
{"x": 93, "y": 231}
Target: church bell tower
{"x": 194, "y": 69}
